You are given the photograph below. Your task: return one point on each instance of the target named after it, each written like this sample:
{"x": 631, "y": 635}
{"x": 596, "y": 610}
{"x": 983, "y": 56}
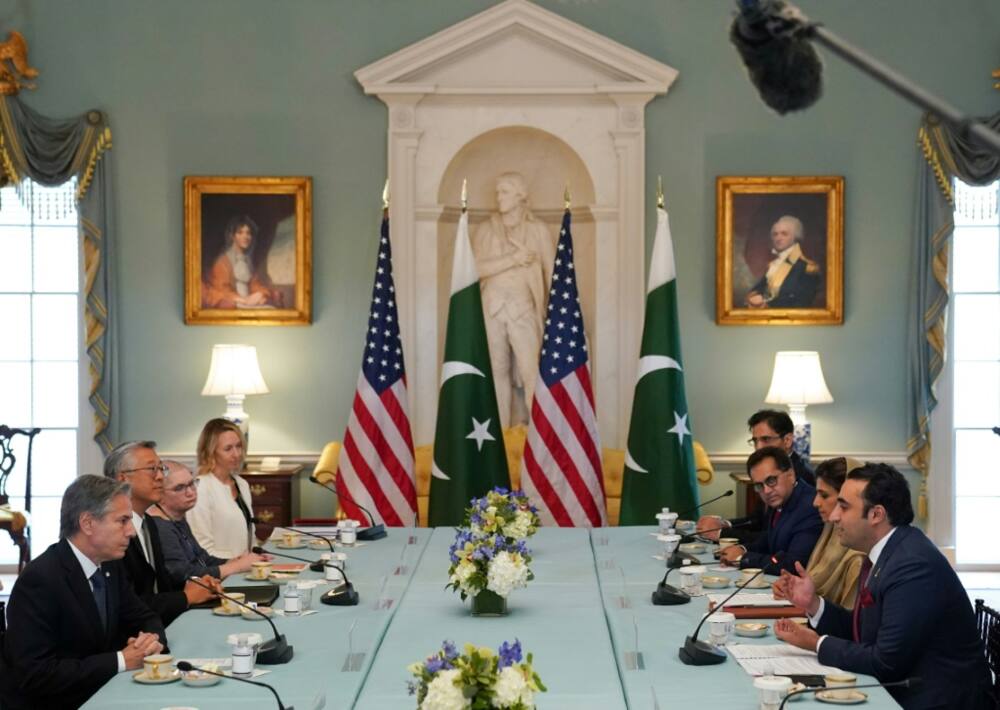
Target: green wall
{"x": 203, "y": 87}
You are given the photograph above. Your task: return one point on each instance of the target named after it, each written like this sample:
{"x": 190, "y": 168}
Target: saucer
{"x": 711, "y": 582}
{"x": 283, "y": 546}
{"x": 221, "y": 611}
{"x": 250, "y": 616}
{"x": 141, "y": 677}
{"x": 692, "y": 548}
{"x": 758, "y": 584}
{"x": 855, "y": 698}
{"x": 282, "y": 577}
{"x": 197, "y": 679}
{"x": 319, "y": 544}
{"x": 751, "y": 630}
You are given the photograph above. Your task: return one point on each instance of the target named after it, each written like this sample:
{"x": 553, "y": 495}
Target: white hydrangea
{"x": 443, "y": 693}
{"x": 511, "y": 688}
{"x": 507, "y": 572}
{"x": 463, "y": 571}
{"x": 518, "y": 527}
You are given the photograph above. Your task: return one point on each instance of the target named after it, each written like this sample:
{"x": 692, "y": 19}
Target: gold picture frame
{"x": 779, "y": 250}
{"x": 247, "y": 250}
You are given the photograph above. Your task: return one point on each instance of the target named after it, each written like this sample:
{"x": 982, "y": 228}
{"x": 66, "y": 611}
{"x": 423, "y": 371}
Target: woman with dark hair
{"x": 833, "y": 567}
{"x": 233, "y": 282}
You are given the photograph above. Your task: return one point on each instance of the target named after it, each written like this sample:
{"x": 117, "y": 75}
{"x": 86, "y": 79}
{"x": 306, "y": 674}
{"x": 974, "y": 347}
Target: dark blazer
{"x": 181, "y": 554}
{"x": 752, "y": 525}
{"x": 919, "y": 623}
{"x": 798, "y": 290}
{"x": 56, "y": 653}
{"x": 167, "y": 602}
{"x": 797, "y": 530}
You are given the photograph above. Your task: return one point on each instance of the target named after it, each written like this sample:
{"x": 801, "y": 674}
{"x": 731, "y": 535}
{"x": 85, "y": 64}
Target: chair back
{"x": 3, "y": 623}
{"x": 8, "y": 459}
{"x": 988, "y": 623}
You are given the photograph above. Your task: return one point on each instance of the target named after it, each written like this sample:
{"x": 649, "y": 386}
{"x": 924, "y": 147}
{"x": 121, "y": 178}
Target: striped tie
{"x": 866, "y": 568}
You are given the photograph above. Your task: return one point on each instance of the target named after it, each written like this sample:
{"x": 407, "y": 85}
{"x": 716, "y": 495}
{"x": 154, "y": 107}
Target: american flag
{"x": 376, "y": 463}
{"x": 562, "y": 456}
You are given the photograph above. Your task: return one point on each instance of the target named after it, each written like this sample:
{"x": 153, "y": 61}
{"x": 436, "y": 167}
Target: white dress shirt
{"x": 216, "y": 520}
{"x": 89, "y": 567}
{"x": 873, "y": 555}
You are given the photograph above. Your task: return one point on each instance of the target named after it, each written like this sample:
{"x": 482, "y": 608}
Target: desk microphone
{"x": 667, "y": 594}
{"x": 703, "y": 653}
{"x": 341, "y": 595}
{"x": 270, "y": 653}
{"x": 700, "y": 505}
{"x": 373, "y": 532}
{"x": 906, "y": 683}
{"x": 690, "y": 537}
{"x": 187, "y": 668}
{"x": 318, "y": 565}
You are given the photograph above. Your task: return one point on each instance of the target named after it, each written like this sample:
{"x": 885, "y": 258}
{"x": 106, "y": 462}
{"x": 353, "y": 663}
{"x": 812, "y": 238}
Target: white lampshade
{"x": 234, "y": 370}
{"x": 798, "y": 379}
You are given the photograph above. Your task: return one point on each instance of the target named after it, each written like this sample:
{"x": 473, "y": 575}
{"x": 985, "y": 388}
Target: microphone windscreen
{"x": 786, "y": 71}
{"x": 259, "y": 550}
{"x": 184, "y": 666}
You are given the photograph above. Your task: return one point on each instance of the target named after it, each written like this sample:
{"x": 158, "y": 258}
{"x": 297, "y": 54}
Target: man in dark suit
{"x": 912, "y": 618}
{"x": 793, "y": 525}
{"x": 73, "y": 621}
{"x": 791, "y": 279}
{"x": 137, "y": 463}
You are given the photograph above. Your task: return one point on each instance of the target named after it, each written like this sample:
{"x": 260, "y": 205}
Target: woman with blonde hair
{"x": 833, "y": 567}
{"x": 222, "y": 519}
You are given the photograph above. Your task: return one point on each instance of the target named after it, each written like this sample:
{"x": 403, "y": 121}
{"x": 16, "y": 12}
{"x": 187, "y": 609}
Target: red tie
{"x": 866, "y": 568}
{"x": 774, "y": 518}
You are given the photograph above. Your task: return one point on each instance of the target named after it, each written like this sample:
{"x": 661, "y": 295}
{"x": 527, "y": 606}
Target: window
{"x": 975, "y": 352}
{"x": 41, "y": 362}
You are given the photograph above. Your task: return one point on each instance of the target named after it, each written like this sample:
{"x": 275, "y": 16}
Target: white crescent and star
{"x": 648, "y": 364}
{"x": 480, "y": 431}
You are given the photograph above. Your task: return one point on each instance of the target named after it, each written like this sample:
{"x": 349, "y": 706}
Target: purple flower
{"x": 436, "y": 663}
{"x": 509, "y": 655}
{"x": 449, "y": 650}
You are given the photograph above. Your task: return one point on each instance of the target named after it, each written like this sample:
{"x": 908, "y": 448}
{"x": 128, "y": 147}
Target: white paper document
{"x": 748, "y": 599}
{"x": 777, "y": 659}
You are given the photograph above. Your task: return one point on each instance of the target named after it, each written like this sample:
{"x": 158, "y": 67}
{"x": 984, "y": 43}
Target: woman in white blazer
{"x": 222, "y": 519}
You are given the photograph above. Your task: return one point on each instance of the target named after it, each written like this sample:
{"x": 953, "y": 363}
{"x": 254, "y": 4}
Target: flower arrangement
{"x": 477, "y": 679}
{"x": 507, "y": 513}
{"x": 488, "y": 561}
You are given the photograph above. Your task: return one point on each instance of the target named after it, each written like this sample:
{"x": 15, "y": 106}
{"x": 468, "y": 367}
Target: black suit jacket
{"x": 167, "y": 602}
{"x": 753, "y": 525}
{"x": 795, "y": 534}
{"x": 919, "y": 623}
{"x": 798, "y": 290}
{"x": 56, "y": 653}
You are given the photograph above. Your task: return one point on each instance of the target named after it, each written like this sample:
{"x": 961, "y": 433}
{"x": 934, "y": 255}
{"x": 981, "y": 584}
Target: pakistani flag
{"x": 469, "y": 455}
{"x": 659, "y": 461}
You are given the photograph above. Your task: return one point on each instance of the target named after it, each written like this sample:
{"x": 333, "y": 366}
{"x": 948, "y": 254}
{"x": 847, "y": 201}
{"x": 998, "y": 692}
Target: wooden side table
{"x": 274, "y": 493}
{"x": 751, "y": 502}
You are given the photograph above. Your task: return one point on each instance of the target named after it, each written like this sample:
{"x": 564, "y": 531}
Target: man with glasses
{"x": 793, "y": 524}
{"x": 183, "y": 557}
{"x": 138, "y": 464}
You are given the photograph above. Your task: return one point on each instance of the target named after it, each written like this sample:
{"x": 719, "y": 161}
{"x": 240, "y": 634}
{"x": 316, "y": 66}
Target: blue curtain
{"x": 945, "y": 155}
{"x": 51, "y": 151}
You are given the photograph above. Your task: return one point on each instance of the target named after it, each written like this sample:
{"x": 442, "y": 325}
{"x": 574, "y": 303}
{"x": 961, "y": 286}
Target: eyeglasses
{"x": 162, "y": 468}
{"x": 769, "y": 482}
{"x": 180, "y": 488}
{"x": 754, "y": 440}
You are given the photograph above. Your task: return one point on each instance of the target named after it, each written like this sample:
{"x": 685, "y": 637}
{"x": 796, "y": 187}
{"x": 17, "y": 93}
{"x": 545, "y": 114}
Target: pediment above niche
{"x": 516, "y": 47}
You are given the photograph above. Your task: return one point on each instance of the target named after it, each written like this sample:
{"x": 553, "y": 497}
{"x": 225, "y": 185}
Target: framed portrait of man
{"x": 247, "y": 250}
{"x": 779, "y": 250}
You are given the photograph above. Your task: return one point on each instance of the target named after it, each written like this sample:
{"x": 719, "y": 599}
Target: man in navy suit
{"x": 73, "y": 619}
{"x": 793, "y": 525}
{"x": 912, "y": 618}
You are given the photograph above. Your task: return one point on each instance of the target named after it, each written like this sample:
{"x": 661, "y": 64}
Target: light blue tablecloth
{"x": 558, "y": 617}
{"x": 662, "y": 630}
{"x": 320, "y": 640}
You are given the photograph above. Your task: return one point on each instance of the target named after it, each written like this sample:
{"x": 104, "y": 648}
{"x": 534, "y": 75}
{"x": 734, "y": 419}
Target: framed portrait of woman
{"x": 779, "y": 250}
{"x": 247, "y": 250}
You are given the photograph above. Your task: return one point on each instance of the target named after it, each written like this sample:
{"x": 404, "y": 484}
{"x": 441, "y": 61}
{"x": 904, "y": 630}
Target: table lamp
{"x": 798, "y": 381}
{"x": 235, "y": 373}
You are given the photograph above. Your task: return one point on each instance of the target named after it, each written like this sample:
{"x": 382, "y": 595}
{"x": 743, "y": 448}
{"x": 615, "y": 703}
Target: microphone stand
{"x": 703, "y": 653}
{"x": 906, "y": 683}
{"x": 341, "y": 595}
{"x": 188, "y": 667}
{"x": 373, "y": 532}
{"x": 667, "y": 594}
{"x": 316, "y": 566}
{"x": 702, "y": 505}
{"x": 271, "y": 653}
{"x": 790, "y": 21}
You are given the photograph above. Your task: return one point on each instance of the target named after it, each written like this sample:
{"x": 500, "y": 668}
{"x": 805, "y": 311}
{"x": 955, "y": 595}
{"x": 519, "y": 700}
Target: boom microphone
{"x": 771, "y": 38}
{"x": 318, "y": 565}
{"x": 270, "y": 653}
{"x": 373, "y": 532}
{"x": 905, "y": 683}
{"x": 315, "y": 566}
{"x": 710, "y": 500}
{"x": 187, "y": 668}
{"x": 341, "y": 595}
{"x": 703, "y": 653}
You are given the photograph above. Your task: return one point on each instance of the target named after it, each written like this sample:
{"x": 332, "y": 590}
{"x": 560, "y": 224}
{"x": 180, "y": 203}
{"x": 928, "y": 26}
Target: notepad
{"x": 747, "y": 599}
{"x": 777, "y": 659}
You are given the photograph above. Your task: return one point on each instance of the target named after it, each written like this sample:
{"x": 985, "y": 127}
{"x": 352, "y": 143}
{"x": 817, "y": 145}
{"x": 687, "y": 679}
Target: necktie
{"x": 866, "y": 568}
{"x": 100, "y": 586}
{"x": 775, "y": 518}
{"x": 148, "y": 548}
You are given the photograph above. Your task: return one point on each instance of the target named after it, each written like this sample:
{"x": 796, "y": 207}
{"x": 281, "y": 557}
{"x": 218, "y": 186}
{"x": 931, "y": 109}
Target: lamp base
{"x": 237, "y": 415}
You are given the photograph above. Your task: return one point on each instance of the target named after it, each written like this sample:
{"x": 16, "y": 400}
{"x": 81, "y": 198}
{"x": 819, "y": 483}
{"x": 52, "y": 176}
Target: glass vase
{"x": 488, "y": 603}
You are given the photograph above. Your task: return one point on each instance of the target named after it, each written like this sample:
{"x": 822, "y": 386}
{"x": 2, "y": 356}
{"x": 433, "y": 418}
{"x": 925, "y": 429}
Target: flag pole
{"x": 385, "y": 196}
{"x": 659, "y": 192}
{"x": 566, "y": 198}
{"x": 465, "y": 195}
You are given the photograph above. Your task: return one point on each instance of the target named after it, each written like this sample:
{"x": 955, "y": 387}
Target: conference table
{"x": 587, "y": 618}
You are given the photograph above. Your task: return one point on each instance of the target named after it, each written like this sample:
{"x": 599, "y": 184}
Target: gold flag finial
{"x": 996, "y": 75}
{"x": 14, "y": 67}
{"x": 566, "y": 199}
{"x": 465, "y": 195}
{"x": 659, "y": 192}
{"x": 385, "y": 195}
